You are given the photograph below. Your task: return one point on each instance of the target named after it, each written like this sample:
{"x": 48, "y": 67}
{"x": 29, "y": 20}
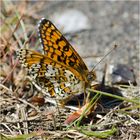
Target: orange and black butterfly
{"x": 60, "y": 70}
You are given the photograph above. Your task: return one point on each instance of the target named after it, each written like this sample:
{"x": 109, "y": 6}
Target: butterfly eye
{"x": 91, "y": 76}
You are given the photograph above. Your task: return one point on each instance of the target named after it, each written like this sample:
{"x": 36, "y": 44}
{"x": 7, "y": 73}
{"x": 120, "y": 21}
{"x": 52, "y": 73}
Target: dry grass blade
{"x": 27, "y": 111}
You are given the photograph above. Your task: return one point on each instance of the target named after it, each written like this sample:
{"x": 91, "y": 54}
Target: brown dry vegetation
{"x": 24, "y": 110}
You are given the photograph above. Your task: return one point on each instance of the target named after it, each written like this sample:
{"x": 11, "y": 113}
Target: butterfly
{"x": 60, "y": 71}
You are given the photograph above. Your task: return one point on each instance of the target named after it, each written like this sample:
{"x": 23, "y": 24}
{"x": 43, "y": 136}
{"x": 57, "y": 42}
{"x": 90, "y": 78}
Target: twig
{"x": 8, "y": 128}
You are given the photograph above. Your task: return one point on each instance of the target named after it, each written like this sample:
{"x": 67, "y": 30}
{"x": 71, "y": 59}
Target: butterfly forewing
{"x": 57, "y": 48}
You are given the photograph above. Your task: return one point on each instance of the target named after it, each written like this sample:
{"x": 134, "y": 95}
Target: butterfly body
{"x": 60, "y": 70}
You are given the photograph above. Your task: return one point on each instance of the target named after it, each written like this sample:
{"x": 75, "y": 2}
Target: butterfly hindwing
{"x": 57, "y": 81}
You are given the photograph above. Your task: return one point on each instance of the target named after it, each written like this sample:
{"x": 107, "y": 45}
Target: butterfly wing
{"x": 57, "y": 48}
{"x": 49, "y": 75}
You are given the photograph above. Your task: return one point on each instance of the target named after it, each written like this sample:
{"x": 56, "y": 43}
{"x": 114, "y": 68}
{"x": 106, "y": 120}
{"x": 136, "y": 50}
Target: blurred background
{"x": 92, "y": 27}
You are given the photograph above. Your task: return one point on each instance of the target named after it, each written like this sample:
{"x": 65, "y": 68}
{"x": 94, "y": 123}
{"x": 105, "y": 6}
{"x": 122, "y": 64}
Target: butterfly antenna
{"x": 110, "y": 51}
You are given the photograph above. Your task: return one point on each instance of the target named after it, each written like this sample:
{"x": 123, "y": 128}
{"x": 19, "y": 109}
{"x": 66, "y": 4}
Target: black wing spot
{"x": 59, "y": 48}
{"x": 66, "y": 48}
{"x": 71, "y": 63}
{"x": 59, "y": 58}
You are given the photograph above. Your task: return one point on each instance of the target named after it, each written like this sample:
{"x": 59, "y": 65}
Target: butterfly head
{"x": 91, "y": 76}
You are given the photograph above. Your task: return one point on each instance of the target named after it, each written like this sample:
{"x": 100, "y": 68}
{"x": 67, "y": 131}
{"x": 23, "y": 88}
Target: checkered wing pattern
{"x": 57, "y": 81}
